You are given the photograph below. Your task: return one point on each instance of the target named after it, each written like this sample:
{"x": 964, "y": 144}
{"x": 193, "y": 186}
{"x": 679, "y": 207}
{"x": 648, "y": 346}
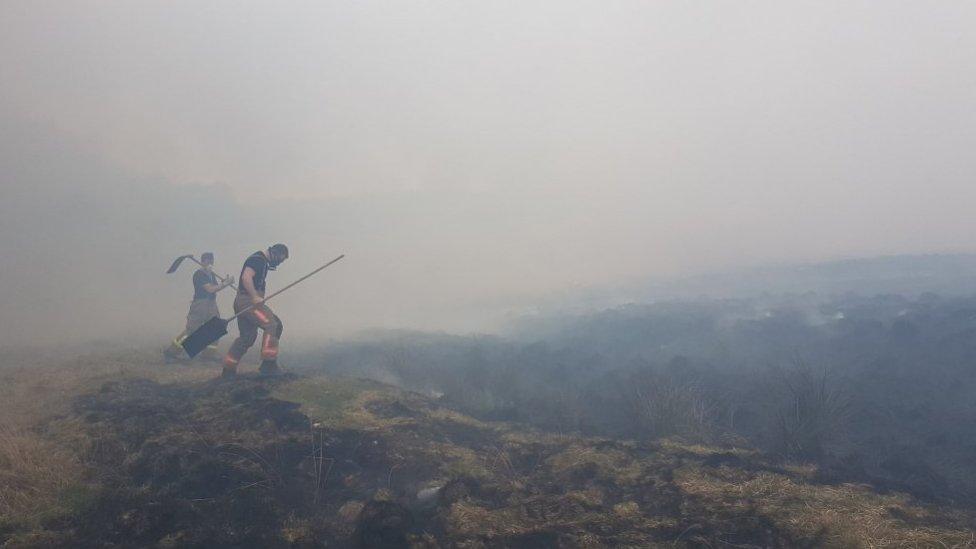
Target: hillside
{"x": 123, "y": 454}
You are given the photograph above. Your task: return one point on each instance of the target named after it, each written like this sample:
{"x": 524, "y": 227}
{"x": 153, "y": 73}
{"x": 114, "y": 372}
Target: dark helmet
{"x": 277, "y": 254}
{"x": 207, "y": 258}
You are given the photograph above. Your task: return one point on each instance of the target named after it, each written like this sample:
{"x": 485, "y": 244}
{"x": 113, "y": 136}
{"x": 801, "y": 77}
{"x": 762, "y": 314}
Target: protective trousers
{"x": 248, "y": 323}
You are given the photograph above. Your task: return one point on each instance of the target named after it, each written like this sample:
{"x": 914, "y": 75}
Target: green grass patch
{"x": 324, "y": 399}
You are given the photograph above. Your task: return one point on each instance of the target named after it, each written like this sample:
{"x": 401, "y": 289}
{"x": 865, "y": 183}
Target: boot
{"x": 229, "y": 372}
{"x": 269, "y": 368}
{"x": 173, "y": 353}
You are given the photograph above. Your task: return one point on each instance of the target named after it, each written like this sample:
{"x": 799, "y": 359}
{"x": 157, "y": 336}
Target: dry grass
{"x": 466, "y": 519}
{"x": 527, "y": 436}
{"x": 842, "y": 516}
{"x": 38, "y": 478}
{"x": 603, "y": 501}
{"x": 458, "y": 461}
{"x": 450, "y": 416}
{"x": 36, "y": 389}
{"x": 610, "y": 464}
{"x": 701, "y": 450}
{"x": 41, "y": 477}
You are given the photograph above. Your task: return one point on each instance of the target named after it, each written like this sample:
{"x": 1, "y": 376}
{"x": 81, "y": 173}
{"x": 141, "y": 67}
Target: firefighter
{"x": 251, "y": 292}
{"x": 202, "y": 308}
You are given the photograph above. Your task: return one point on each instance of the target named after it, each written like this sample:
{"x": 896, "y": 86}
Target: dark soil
{"x": 226, "y": 464}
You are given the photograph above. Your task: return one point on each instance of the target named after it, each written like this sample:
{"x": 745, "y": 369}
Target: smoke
{"x": 469, "y": 158}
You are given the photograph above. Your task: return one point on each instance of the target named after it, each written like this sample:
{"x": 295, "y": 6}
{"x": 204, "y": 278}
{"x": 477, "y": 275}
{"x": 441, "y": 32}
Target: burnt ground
{"x": 296, "y": 462}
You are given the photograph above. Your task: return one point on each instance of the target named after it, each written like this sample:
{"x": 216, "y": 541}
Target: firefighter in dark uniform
{"x": 251, "y": 292}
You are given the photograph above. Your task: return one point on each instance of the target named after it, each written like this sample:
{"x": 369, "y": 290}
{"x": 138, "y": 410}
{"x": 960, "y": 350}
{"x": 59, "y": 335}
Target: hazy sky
{"x": 467, "y": 156}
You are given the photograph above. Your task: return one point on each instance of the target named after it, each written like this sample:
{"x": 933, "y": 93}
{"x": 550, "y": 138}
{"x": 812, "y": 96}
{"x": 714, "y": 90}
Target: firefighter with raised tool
{"x": 206, "y": 284}
{"x": 251, "y": 292}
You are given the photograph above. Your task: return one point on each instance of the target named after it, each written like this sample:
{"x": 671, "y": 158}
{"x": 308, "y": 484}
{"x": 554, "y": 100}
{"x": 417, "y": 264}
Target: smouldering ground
{"x": 116, "y": 448}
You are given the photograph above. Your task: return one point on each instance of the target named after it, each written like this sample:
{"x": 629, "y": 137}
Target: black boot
{"x": 269, "y": 368}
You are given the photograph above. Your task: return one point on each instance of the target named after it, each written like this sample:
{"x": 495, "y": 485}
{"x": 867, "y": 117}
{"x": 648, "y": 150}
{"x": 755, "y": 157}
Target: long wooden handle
{"x": 251, "y": 306}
